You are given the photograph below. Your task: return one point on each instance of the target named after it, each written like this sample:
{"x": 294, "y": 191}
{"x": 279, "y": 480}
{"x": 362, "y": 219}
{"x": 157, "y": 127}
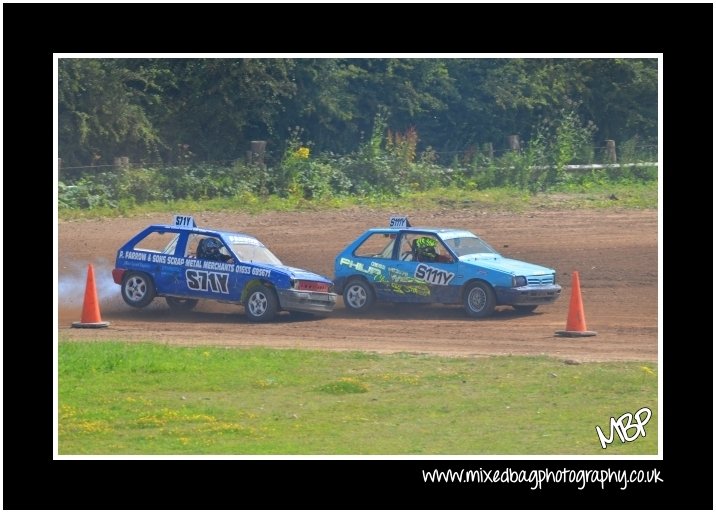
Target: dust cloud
{"x": 72, "y": 283}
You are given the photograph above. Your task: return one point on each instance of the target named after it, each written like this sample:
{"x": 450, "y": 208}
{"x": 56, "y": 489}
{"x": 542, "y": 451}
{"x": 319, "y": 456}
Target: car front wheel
{"x": 358, "y": 296}
{"x": 137, "y": 289}
{"x": 261, "y": 304}
{"x": 479, "y": 300}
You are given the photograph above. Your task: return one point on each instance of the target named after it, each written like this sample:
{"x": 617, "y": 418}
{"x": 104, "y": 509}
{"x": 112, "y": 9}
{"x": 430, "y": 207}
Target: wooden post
{"x": 258, "y": 149}
{"x": 610, "y": 153}
{"x": 488, "y": 150}
{"x": 121, "y": 162}
{"x": 513, "y": 142}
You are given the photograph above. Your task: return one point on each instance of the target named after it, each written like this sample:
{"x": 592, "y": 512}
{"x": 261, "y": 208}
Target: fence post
{"x": 258, "y": 151}
{"x": 610, "y": 153}
{"x": 488, "y": 151}
{"x": 513, "y": 142}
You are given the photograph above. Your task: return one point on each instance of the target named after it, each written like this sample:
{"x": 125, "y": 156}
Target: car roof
{"x": 428, "y": 229}
{"x": 199, "y": 231}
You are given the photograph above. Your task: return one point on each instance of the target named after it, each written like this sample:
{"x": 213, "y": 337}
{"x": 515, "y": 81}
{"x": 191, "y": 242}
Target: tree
{"x": 217, "y": 105}
{"x": 150, "y": 109}
{"x": 621, "y": 95}
{"x": 100, "y": 112}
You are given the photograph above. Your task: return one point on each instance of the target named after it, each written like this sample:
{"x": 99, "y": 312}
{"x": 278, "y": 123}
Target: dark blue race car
{"x": 184, "y": 264}
{"x": 404, "y": 264}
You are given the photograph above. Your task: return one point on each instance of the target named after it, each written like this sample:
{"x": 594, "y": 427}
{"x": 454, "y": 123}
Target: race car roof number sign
{"x": 185, "y": 221}
{"x": 399, "y": 222}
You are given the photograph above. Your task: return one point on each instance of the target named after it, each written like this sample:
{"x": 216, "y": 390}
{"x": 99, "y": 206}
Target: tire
{"x": 479, "y": 300}
{"x": 181, "y": 304}
{"x": 525, "y": 308}
{"x": 137, "y": 289}
{"x": 261, "y": 304}
{"x": 358, "y": 296}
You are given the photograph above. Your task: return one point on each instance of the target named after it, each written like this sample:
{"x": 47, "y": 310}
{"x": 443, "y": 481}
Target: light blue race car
{"x": 405, "y": 264}
{"x": 184, "y": 264}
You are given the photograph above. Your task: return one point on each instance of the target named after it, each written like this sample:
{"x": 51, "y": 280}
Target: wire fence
{"x": 598, "y": 158}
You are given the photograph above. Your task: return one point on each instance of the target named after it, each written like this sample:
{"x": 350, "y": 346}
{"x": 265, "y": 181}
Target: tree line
{"x": 175, "y": 110}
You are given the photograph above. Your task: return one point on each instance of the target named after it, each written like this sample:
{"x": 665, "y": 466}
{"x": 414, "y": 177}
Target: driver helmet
{"x": 211, "y": 248}
{"x": 426, "y": 247}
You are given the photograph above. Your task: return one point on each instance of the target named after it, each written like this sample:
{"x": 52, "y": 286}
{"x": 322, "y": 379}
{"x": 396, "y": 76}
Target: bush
{"x": 384, "y": 165}
{"x": 86, "y": 194}
{"x": 321, "y": 180}
{"x": 143, "y": 185}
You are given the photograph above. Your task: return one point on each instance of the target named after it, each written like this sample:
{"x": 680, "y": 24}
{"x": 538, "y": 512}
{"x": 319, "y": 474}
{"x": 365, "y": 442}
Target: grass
{"x": 151, "y": 399}
{"x": 633, "y": 195}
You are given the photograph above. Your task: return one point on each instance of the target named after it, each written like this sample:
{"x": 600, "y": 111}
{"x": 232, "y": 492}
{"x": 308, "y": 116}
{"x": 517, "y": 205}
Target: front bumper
{"x": 305, "y": 301}
{"x": 528, "y": 295}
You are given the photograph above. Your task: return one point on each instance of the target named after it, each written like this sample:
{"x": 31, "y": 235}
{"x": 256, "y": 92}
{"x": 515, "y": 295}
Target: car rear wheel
{"x": 479, "y": 300}
{"x": 261, "y": 304}
{"x": 137, "y": 289}
{"x": 358, "y": 296}
{"x": 181, "y": 304}
{"x": 525, "y": 308}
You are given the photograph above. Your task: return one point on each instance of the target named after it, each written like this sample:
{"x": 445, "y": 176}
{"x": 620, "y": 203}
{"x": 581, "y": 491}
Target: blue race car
{"x": 404, "y": 264}
{"x": 184, "y": 264}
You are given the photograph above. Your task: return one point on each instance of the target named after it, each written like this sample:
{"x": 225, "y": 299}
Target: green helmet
{"x": 425, "y": 247}
{"x": 425, "y": 242}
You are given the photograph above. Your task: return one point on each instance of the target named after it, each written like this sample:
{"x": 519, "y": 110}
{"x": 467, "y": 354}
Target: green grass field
{"x": 152, "y": 399}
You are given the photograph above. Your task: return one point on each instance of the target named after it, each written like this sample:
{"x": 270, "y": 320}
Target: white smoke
{"x": 72, "y": 282}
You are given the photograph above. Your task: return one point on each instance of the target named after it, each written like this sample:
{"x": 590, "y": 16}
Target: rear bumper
{"x": 304, "y": 301}
{"x": 528, "y": 295}
{"x": 117, "y": 275}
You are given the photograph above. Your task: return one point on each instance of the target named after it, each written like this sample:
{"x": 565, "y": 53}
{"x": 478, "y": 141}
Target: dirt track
{"x": 615, "y": 253}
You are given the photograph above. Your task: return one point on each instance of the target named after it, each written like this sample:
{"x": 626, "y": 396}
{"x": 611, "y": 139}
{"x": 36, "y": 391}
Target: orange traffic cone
{"x": 576, "y": 325}
{"x": 90, "y": 307}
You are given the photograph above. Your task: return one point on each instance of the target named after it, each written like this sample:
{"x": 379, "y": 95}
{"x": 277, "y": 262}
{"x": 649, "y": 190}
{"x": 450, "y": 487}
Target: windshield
{"x": 469, "y": 245}
{"x": 251, "y": 253}
{"x": 250, "y": 250}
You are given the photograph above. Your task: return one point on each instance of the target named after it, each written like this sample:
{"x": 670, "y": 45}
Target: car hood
{"x": 506, "y": 265}
{"x": 295, "y": 273}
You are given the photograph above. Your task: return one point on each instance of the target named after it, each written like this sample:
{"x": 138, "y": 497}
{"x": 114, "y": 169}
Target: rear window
{"x": 377, "y": 245}
{"x": 156, "y": 242}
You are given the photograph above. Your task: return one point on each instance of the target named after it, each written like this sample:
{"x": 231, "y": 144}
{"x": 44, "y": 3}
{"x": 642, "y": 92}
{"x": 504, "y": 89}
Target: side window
{"x": 423, "y": 248}
{"x": 211, "y": 248}
{"x": 158, "y": 242}
{"x": 406, "y": 248}
{"x": 191, "y": 245}
{"x": 377, "y": 245}
{"x": 443, "y": 253}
